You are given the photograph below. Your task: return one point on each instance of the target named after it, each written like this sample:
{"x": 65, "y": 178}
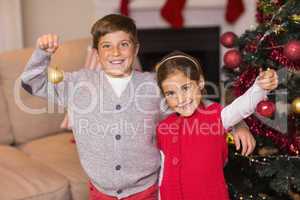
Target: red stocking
{"x": 124, "y": 10}
{"x": 172, "y": 12}
{"x": 234, "y": 10}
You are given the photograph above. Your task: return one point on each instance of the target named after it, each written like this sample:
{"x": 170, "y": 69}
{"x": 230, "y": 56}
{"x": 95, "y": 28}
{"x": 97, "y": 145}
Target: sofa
{"x": 38, "y": 160}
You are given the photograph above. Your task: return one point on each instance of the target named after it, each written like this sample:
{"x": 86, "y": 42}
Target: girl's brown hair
{"x": 179, "y": 62}
{"x": 112, "y": 23}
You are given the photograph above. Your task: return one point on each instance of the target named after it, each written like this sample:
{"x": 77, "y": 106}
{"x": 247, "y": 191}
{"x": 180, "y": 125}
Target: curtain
{"x": 10, "y": 25}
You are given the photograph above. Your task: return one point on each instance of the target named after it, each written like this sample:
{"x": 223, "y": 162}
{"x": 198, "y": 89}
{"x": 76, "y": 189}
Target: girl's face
{"x": 116, "y": 53}
{"x": 182, "y": 94}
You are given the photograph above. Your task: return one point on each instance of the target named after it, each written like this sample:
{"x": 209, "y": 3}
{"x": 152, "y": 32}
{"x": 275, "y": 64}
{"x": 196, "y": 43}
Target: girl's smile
{"x": 182, "y": 94}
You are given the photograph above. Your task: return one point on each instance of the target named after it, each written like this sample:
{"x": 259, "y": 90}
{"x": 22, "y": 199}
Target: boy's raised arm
{"x": 34, "y": 79}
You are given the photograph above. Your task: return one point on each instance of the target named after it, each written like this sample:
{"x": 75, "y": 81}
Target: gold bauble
{"x": 296, "y": 105}
{"x": 55, "y": 75}
{"x": 295, "y": 18}
{"x": 279, "y": 29}
{"x": 229, "y": 138}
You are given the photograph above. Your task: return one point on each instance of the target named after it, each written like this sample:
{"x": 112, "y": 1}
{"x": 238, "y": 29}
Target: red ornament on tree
{"x": 266, "y": 108}
{"x": 228, "y": 39}
{"x": 232, "y": 59}
{"x": 292, "y": 50}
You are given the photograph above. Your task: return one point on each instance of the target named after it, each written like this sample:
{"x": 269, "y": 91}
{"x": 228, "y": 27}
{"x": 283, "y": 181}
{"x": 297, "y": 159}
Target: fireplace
{"x": 202, "y": 43}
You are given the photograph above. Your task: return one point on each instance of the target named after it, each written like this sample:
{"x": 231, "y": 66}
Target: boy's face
{"x": 116, "y": 53}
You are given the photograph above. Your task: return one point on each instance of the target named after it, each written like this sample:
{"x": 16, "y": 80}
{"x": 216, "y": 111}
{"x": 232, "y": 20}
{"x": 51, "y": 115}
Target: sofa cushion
{"x": 6, "y": 136}
{"x": 21, "y": 106}
{"x": 24, "y": 178}
{"x": 59, "y": 153}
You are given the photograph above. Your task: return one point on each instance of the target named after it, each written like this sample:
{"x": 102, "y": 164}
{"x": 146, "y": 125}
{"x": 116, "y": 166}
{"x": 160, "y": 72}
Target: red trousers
{"x": 149, "y": 194}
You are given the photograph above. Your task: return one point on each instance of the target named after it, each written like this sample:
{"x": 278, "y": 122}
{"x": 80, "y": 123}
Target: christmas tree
{"x": 273, "y": 170}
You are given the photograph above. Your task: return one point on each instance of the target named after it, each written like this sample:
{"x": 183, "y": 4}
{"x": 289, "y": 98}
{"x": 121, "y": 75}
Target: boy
{"x": 114, "y": 111}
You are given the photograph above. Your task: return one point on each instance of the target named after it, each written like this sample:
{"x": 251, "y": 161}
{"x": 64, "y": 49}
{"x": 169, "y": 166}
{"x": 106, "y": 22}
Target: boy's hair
{"x": 179, "y": 62}
{"x": 112, "y": 23}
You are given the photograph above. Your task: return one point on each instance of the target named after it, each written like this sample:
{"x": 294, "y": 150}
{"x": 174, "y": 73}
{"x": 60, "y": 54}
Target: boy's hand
{"x": 242, "y": 136}
{"x": 65, "y": 124}
{"x": 48, "y": 43}
{"x": 268, "y": 80}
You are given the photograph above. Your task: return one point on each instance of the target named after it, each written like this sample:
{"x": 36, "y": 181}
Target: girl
{"x": 192, "y": 139}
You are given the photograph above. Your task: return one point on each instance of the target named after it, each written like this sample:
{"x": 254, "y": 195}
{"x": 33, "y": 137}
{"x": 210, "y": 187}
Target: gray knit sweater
{"x": 115, "y": 136}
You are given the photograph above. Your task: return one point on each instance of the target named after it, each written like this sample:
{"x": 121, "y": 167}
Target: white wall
{"x": 70, "y": 19}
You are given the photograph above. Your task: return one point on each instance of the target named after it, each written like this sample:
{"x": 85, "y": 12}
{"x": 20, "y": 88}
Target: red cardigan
{"x": 195, "y": 152}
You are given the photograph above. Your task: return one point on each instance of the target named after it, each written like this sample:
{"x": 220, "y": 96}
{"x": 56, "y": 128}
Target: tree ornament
{"x": 292, "y": 50}
{"x": 232, "y": 59}
{"x": 295, "y": 18}
{"x": 296, "y": 105}
{"x": 229, "y": 138}
{"x": 55, "y": 75}
{"x": 267, "y": 8}
{"x": 277, "y": 29}
{"x": 227, "y": 39}
{"x": 266, "y": 108}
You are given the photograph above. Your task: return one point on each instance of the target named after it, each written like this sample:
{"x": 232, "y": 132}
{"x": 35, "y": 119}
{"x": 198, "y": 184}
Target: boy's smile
{"x": 117, "y": 53}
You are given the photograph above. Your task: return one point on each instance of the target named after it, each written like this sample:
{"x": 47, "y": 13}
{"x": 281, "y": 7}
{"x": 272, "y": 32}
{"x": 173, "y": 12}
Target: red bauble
{"x": 266, "y": 108}
{"x": 228, "y": 39}
{"x": 292, "y": 50}
{"x": 232, "y": 59}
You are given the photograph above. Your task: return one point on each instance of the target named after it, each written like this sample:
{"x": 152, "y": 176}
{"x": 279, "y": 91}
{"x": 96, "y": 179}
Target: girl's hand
{"x": 243, "y": 137}
{"x": 268, "y": 79}
{"x": 48, "y": 43}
